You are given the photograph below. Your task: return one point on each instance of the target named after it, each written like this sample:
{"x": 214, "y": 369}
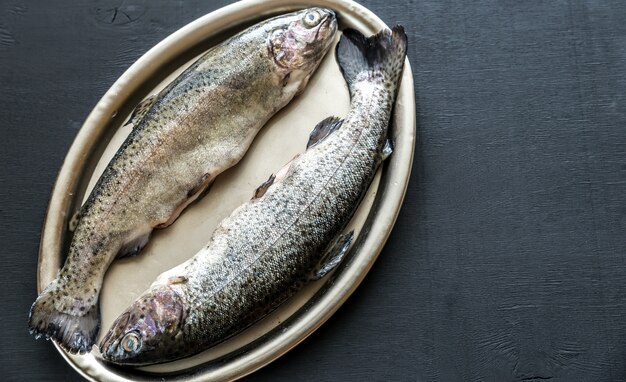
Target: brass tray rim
{"x": 341, "y": 284}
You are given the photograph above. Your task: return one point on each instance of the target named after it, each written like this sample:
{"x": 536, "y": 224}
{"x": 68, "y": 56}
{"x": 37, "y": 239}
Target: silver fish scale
{"x": 267, "y": 248}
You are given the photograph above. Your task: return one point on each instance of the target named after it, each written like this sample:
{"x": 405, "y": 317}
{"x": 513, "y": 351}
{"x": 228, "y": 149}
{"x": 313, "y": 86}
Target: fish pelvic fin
{"x": 378, "y": 58}
{"x": 387, "y": 149}
{"x": 134, "y": 246}
{"x": 75, "y": 334}
{"x": 262, "y": 189}
{"x": 335, "y": 253}
{"x": 141, "y": 110}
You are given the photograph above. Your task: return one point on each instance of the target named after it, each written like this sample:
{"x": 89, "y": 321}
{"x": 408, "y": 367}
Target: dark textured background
{"x": 507, "y": 261}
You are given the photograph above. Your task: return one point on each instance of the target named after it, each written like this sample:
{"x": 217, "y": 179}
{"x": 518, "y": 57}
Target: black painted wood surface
{"x": 507, "y": 262}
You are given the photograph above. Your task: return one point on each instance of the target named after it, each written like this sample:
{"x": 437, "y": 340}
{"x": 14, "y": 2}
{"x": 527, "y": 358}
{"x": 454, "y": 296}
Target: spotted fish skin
{"x": 267, "y": 248}
{"x": 183, "y": 137}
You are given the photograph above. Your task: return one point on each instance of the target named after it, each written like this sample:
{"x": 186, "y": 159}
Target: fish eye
{"x": 311, "y": 19}
{"x": 131, "y": 342}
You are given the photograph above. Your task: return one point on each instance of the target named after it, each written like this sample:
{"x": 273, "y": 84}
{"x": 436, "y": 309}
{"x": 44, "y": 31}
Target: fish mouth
{"x": 109, "y": 346}
{"x": 327, "y": 21}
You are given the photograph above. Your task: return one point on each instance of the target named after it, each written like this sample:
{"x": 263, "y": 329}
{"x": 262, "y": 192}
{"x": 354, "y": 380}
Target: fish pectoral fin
{"x": 387, "y": 149}
{"x": 141, "y": 110}
{"x": 197, "y": 192}
{"x": 334, "y": 255}
{"x": 322, "y": 130}
{"x": 205, "y": 191}
{"x": 133, "y": 247}
{"x": 262, "y": 189}
{"x": 202, "y": 188}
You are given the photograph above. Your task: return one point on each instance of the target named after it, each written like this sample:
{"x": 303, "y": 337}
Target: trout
{"x": 286, "y": 235}
{"x": 183, "y": 137}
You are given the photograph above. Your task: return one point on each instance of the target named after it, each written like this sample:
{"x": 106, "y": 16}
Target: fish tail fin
{"x": 379, "y": 57}
{"x": 74, "y": 333}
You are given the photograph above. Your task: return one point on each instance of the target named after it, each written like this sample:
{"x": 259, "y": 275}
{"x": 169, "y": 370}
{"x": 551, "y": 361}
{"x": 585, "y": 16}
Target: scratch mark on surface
{"x": 7, "y": 40}
{"x": 117, "y": 11}
{"x": 516, "y": 307}
{"x": 17, "y": 9}
{"x": 536, "y": 362}
{"x": 120, "y": 14}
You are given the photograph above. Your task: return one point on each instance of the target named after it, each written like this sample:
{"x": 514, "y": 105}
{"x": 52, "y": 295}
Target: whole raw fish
{"x": 183, "y": 137}
{"x": 286, "y": 235}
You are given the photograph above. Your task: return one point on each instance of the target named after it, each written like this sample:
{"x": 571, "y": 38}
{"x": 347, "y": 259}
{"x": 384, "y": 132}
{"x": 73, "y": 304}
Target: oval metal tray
{"x": 284, "y": 136}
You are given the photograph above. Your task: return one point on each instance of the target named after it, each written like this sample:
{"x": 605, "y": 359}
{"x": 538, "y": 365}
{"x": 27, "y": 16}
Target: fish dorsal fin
{"x": 322, "y": 130}
{"x": 141, "y": 110}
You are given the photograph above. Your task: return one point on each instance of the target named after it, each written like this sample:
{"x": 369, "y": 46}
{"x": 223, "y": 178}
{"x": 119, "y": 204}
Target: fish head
{"x": 298, "y": 42}
{"x": 149, "y": 329}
